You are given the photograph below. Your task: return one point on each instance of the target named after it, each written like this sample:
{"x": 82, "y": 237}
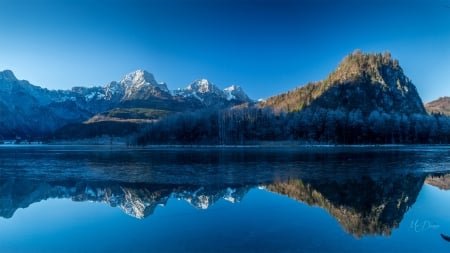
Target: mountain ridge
{"x": 31, "y": 111}
{"x": 131, "y": 82}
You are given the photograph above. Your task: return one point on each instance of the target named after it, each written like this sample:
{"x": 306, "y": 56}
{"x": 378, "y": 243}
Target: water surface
{"x": 309, "y": 199}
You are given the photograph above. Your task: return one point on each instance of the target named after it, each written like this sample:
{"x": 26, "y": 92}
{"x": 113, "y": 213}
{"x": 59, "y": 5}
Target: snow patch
{"x": 229, "y": 92}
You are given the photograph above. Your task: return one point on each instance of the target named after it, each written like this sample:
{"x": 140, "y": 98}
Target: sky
{"x": 265, "y": 46}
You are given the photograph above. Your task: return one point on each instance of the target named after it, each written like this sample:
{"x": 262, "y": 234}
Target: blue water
{"x": 77, "y": 199}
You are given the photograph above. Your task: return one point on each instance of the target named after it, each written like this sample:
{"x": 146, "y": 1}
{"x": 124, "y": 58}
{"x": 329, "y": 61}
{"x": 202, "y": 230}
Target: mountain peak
{"x": 368, "y": 82}
{"x": 202, "y": 86}
{"x": 143, "y": 74}
{"x": 138, "y": 76}
{"x": 7, "y": 75}
{"x": 141, "y": 78}
{"x": 359, "y": 66}
{"x": 141, "y": 84}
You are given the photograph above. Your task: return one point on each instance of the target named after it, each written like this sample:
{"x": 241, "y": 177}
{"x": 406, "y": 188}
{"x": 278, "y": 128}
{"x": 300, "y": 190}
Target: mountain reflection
{"x": 363, "y": 206}
{"x": 368, "y": 194}
{"x": 135, "y": 199}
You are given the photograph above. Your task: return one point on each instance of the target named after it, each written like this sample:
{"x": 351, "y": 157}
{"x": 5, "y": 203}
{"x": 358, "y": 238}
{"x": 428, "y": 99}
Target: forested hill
{"x": 366, "y": 82}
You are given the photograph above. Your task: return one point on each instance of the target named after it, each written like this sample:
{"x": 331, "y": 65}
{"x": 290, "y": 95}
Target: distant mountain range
{"x": 368, "y": 93}
{"x": 441, "y": 105}
{"x": 31, "y": 111}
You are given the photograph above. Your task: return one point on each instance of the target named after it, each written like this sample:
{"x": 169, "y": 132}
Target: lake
{"x": 300, "y": 199}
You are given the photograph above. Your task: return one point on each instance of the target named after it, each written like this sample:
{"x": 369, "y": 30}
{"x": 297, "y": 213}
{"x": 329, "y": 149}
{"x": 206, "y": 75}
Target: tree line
{"x": 253, "y": 125}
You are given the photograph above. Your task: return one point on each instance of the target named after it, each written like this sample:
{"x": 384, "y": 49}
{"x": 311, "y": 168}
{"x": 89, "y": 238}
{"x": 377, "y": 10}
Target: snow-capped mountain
{"x": 141, "y": 78}
{"x": 135, "y": 85}
{"x": 142, "y": 85}
{"x": 31, "y": 111}
{"x": 209, "y": 94}
{"x": 203, "y": 86}
{"x": 236, "y": 92}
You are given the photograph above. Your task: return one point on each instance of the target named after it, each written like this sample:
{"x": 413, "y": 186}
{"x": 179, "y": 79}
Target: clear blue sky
{"x": 266, "y": 46}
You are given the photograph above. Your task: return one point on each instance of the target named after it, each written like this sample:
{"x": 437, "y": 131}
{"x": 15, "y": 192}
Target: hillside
{"x": 441, "y": 105}
{"x": 366, "y": 82}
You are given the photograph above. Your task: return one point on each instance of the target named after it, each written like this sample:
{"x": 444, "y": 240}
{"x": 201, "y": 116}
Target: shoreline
{"x": 205, "y": 146}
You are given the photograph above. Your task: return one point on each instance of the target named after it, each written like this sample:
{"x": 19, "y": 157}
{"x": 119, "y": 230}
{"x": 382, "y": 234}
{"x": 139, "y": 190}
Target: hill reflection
{"x": 368, "y": 206}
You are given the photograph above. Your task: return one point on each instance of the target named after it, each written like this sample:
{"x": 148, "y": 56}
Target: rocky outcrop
{"x": 368, "y": 82}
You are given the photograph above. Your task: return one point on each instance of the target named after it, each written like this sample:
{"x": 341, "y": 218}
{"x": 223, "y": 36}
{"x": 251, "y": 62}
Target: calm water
{"x": 320, "y": 199}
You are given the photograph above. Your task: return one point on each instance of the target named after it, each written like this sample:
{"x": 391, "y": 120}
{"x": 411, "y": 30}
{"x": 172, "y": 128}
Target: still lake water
{"x": 309, "y": 199}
